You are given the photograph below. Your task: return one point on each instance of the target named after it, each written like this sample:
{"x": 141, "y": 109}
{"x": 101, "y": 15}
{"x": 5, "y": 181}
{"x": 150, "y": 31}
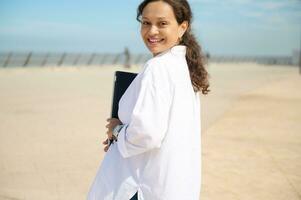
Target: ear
{"x": 182, "y": 28}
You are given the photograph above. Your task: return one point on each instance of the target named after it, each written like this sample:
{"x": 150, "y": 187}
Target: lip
{"x": 154, "y": 41}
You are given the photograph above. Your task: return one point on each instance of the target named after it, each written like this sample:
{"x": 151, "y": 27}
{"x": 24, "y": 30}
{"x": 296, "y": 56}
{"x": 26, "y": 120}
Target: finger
{"x": 106, "y": 148}
{"x": 106, "y": 141}
{"x": 110, "y": 134}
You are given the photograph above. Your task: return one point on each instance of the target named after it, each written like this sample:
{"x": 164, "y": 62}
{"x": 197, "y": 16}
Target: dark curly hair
{"x": 194, "y": 56}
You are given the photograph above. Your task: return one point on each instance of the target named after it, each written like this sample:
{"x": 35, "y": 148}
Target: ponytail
{"x": 196, "y": 61}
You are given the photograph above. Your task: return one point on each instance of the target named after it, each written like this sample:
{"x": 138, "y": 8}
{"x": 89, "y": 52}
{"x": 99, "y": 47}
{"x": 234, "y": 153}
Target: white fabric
{"x": 158, "y": 152}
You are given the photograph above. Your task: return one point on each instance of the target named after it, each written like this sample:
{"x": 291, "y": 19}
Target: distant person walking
{"x": 157, "y": 153}
{"x": 127, "y": 58}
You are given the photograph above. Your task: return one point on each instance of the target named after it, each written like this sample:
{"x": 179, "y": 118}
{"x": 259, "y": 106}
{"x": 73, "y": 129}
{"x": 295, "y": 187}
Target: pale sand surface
{"x": 53, "y": 123}
{"x": 254, "y": 150}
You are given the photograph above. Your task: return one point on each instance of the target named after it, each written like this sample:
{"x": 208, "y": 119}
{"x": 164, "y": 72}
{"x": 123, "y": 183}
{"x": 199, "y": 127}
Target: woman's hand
{"x": 112, "y": 122}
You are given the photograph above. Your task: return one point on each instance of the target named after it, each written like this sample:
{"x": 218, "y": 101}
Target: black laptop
{"x": 122, "y": 80}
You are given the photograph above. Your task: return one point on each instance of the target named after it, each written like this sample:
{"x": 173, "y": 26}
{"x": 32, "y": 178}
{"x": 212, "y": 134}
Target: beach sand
{"x": 53, "y": 124}
{"x": 253, "y": 151}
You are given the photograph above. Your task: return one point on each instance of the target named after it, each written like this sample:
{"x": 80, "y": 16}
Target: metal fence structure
{"x": 21, "y": 59}
{"x": 26, "y": 59}
{"x": 267, "y": 60}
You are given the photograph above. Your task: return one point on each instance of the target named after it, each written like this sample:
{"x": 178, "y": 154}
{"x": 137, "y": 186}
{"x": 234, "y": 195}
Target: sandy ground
{"x": 253, "y": 151}
{"x": 52, "y": 123}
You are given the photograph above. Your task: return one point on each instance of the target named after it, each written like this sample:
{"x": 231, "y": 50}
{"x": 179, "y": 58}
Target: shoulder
{"x": 157, "y": 72}
{"x": 162, "y": 64}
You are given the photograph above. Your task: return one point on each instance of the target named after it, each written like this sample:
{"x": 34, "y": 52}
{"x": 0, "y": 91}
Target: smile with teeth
{"x": 154, "y": 41}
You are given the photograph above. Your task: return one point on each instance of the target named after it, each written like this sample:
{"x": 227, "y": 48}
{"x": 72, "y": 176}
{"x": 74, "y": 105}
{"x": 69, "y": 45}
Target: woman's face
{"x": 159, "y": 28}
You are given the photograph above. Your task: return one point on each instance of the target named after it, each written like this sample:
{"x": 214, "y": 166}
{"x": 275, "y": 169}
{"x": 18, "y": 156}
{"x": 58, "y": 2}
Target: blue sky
{"x": 223, "y": 27}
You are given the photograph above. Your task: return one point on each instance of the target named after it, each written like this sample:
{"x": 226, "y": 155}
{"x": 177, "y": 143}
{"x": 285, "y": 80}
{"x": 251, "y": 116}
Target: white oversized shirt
{"x": 158, "y": 152}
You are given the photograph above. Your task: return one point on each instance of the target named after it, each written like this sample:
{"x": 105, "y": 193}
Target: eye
{"x": 145, "y": 23}
{"x": 163, "y": 23}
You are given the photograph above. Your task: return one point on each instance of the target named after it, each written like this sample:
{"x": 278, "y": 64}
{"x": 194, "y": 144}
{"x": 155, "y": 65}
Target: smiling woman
{"x": 157, "y": 155}
{"x": 160, "y": 30}
{"x": 166, "y": 23}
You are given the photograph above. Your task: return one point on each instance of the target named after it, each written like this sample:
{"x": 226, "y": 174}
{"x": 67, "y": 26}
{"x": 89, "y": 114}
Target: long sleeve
{"x": 150, "y": 116}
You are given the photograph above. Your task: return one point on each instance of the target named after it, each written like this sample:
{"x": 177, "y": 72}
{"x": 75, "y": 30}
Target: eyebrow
{"x": 157, "y": 18}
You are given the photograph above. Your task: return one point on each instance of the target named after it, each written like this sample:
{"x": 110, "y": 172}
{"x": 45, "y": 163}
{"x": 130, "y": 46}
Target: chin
{"x": 155, "y": 51}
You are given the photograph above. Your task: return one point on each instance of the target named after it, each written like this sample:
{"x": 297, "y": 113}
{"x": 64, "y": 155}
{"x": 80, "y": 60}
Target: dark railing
{"x": 267, "y": 60}
{"x": 17, "y": 59}
{"x": 21, "y": 59}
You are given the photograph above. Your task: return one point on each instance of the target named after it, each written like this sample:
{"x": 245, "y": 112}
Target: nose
{"x": 153, "y": 30}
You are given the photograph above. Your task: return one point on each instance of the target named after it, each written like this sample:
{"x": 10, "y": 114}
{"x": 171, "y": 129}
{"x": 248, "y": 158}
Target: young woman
{"x": 157, "y": 153}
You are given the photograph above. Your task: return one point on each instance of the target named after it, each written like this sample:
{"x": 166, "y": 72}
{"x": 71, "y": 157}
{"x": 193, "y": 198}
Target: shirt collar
{"x": 177, "y": 50}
